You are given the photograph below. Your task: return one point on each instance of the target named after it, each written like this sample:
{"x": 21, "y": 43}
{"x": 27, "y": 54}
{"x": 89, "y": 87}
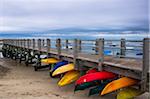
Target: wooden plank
{"x": 100, "y": 54}
{"x": 146, "y": 64}
{"x": 123, "y": 47}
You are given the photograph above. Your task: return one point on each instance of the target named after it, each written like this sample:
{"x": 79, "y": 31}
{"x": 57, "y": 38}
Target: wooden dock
{"x": 137, "y": 68}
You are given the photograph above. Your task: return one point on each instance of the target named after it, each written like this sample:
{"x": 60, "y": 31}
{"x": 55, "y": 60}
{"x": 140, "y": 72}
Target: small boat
{"x": 49, "y": 61}
{"x": 63, "y": 69}
{"x": 102, "y": 75}
{"x": 94, "y": 70}
{"x": 118, "y": 84}
{"x": 87, "y": 85}
{"x": 99, "y": 88}
{"x": 59, "y": 64}
{"x": 128, "y": 93}
{"x": 69, "y": 77}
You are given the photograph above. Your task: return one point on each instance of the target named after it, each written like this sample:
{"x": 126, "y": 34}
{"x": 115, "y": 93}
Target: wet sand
{"x": 22, "y": 82}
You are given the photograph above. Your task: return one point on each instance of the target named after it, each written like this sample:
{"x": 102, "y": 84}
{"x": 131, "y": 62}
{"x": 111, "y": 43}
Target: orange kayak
{"x": 117, "y": 84}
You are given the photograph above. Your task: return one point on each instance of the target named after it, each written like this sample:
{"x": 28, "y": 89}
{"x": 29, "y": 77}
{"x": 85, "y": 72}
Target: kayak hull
{"x": 102, "y": 75}
{"x": 49, "y": 61}
{"x": 118, "y": 84}
{"x": 63, "y": 69}
{"x": 128, "y": 93}
{"x": 59, "y": 64}
{"x": 86, "y": 85}
{"x": 69, "y": 77}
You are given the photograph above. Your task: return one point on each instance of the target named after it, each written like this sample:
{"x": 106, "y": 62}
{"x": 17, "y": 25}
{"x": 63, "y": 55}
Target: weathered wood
{"x": 79, "y": 45}
{"x": 146, "y": 64}
{"x": 58, "y": 43}
{"x": 123, "y": 47}
{"x": 39, "y": 44}
{"x": 28, "y": 43}
{"x": 75, "y": 54}
{"x": 100, "y": 53}
{"x": 67, "y": 43}
{"x": 48, "y": 45}
{"x": 33, "y": 44}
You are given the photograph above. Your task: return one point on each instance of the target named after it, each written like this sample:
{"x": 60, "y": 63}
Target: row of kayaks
{"x": 99, "y": 82}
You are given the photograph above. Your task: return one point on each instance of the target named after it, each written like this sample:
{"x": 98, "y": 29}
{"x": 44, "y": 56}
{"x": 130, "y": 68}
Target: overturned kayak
{"x": 87, "y": 85}
{"x": 117, "y": 84}
{"x": 59, "y": 64}
{"x": 94, "y": 70}
{"x": 69, "y": 77}
{"x": 102, "y": 75}
{"x": 128, "y": 93}
{"x": 99, "y": 88}
{"x": 49, "y": 61}
{"x": 63, "y": 69}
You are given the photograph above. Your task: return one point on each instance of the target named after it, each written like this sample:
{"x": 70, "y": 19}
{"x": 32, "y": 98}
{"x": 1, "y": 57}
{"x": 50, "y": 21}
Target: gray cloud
{"x": 51, "y": 14}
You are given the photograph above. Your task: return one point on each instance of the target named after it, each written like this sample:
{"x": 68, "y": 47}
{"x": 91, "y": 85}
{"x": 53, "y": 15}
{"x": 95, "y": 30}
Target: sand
{"x": 18, "y": 81}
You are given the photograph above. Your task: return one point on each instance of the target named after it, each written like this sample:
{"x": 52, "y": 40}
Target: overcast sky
{"x": 40, "y": 15}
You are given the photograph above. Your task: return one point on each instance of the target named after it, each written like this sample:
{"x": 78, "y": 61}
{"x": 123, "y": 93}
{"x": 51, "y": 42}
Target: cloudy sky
{"x": 41, "y": 15}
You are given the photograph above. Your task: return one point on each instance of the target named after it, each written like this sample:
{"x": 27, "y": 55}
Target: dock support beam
{"x": 100, "y": 47}
{"x": 123, "y": 48}
{"x": 48, "y": 43}
{"x": 58, "y": 42}
{"x": 146, "y": 64}
{"x": 75, "y": 54}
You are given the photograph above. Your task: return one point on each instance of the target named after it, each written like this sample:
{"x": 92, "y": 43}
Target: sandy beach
{"x": 18, "y": 81}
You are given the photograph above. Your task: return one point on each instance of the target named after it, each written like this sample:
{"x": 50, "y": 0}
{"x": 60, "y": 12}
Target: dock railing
{"x": 87, "y": 49}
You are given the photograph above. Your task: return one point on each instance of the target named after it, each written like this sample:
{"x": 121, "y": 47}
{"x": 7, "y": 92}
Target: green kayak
{"x": 99, "y": 88}
{"x": 87, "y": 85}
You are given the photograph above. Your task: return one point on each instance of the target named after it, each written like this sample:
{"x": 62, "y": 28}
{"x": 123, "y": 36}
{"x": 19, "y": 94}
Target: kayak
{"x": 86, "y": 85}
{"x": 117, "y": 84}
{"x": 49, "y": 61}
{"x": 94, "y": 70}
{"x": 99, "y": 88}
{"x": 102, "y": 75}
{"x": 128, "y": 93}
{"x": 59, "y": 64}
{"x": 69, "y": 77}
{"x": 63, "y": 69}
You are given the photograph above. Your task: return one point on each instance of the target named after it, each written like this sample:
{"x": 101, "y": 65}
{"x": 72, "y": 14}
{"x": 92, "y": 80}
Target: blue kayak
{"x": 59, "y": 64}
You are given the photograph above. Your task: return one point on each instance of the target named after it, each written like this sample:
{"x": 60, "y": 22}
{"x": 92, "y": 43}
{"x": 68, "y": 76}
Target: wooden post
{"x": 123, "y": 48}
{"x": 79, "y": 45}
{"x": 96, "y": 46}
{"x": 39, "y": 45}
{"x": 33, "y": 44}
{"x": 67, "y": 43}
{"x": 48, "y": 45}
{"x": 28, "y": 43}
{"x": 146, "y": 64}
{"x": 58, "y": 42}
{"x": 100, "y": 53}
{"x": 75, "y": 53}
{"x": 43, "y": 42}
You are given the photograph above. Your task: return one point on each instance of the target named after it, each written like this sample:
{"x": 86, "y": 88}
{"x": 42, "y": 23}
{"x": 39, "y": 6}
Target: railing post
{"x": 75, "y": 53}
{"x": 96, "y": 46}
{"x": 39, "y": 45}
{"x": 67, "y": 43}
{"x": 146, "y": 64}
{"x": 100, "y": 53}
{"x": 33, "y": 44}
{"x": 123, "y": 48}
{"x": 58, "y": 42}
{"x": 43, "y": 41}
{"x": 79, "y": 45}
{"x": 28, "y": 43}
{"x": 48, "y": 45}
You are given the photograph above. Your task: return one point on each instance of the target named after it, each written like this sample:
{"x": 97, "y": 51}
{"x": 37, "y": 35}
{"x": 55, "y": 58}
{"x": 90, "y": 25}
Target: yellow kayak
{"x": 63, "y": 69}
{"x": 49, "y": 61}
{"x": 69, "y": 77}
{"x": 128, "y": 93}
{"x": 117, "y": 84}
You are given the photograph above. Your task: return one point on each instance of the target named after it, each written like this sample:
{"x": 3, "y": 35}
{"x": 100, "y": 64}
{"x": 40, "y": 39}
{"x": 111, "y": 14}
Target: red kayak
{"x": 94, "y": 70}
{"x": 102, "y": 75}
